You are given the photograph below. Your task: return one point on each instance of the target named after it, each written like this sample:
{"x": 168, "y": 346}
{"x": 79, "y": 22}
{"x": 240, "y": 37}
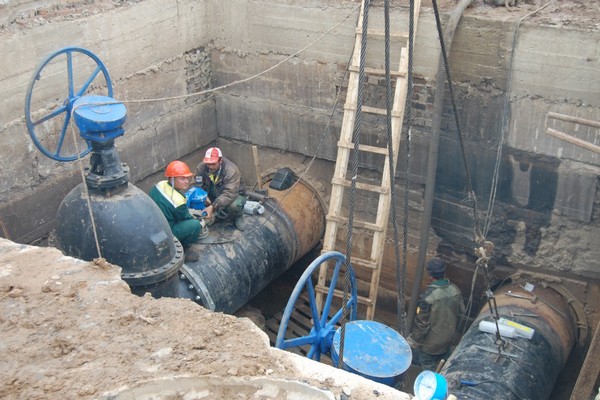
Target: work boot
{"x": 190, "y": 255}
{"x": 203, "y": 233}
{"x": 240, "y": 223}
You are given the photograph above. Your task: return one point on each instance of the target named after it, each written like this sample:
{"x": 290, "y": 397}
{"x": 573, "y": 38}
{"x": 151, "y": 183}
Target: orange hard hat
{"x": 177, "y": 168}
{"x": 212, "y": 155}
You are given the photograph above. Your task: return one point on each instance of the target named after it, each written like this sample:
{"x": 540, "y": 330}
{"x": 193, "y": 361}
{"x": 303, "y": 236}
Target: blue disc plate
{"x": 373, "y": 349}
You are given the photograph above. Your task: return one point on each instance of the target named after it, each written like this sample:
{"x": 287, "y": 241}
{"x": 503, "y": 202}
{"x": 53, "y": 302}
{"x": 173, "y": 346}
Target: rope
{"x": 86, "y": 193}
{"x": 355, "y": 153}
{"x": 185, "y": 96}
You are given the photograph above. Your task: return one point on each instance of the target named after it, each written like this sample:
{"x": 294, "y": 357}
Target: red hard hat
{"x": 212, "y": 155}
{"x": 177, "y": 168}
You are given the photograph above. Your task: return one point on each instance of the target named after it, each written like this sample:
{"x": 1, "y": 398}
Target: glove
{"x": 197, "y": 214}
{"x": 411, "y": 342}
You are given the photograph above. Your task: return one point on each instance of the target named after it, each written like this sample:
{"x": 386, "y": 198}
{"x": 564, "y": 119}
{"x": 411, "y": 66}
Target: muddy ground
{"x": 71, "y": 329}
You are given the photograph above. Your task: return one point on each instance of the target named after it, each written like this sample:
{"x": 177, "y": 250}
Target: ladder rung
{"x": 361, "y": 262}
{"x": 379, "y": 111}
{"x": 360, "y": 185}
{"x": 358, "y": 224}
{"x": 364, "y": 147}
{"x": 356, "y": 261}
{"x": 365, "y": 300}
{"x": 381, "y": 32}
{"x": 377, "y": 71}
{"x": 371, "y": 110}
{"x": 339, "y": 293}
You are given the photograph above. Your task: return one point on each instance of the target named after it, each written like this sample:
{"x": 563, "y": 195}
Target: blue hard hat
{"x": 436, "y": 267}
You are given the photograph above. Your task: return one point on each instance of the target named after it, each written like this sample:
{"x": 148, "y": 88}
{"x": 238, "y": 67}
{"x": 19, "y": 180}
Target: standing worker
{"x": 169, "y": 196}
{"x": 223, "y": 182}
{"x": 439, "y": 310}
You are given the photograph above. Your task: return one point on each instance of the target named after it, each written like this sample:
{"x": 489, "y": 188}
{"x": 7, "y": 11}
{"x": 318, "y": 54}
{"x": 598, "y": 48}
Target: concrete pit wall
{"x": 546, "y": 210}
{"x": 151, "y": 50}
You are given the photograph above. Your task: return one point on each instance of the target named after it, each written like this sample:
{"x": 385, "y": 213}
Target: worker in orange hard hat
{"x": 169, "y": 196}
{"x": 223, "y": 182}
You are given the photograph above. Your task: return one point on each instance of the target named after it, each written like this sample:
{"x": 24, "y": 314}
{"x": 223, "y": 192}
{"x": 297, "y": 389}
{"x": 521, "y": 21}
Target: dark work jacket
{"x": 225, "y": 186}
{"x": 438, "y": 313}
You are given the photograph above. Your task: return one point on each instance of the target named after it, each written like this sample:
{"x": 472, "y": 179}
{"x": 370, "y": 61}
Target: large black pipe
{"x": 130, "y": 231}
{"x": 234, "y": 266}
{"x": 525, "y": 368}
{"x": 234, "y": 270}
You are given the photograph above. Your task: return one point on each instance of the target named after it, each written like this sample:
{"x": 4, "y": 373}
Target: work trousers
{"x": 187, "y": 231}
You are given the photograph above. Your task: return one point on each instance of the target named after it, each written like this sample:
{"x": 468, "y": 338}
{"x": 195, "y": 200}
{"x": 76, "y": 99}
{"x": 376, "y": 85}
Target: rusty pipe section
{"x": 234, "y": 266}
{"x": 306, "y": 212}
{"x": 522, "y": 368}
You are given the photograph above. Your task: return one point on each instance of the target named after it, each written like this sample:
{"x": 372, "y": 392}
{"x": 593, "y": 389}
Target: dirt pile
{"x": 72, "y": 330}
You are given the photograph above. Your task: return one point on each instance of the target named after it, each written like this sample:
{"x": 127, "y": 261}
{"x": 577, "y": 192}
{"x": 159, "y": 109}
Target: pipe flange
{"x": 577, "y": 310}
{"x": 159, "y": 274}
{"x": 96, "y": 181}
{"x": 201, "y": 294}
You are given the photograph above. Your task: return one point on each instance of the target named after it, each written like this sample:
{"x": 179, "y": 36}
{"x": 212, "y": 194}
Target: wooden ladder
{"x": 370, "y": 266}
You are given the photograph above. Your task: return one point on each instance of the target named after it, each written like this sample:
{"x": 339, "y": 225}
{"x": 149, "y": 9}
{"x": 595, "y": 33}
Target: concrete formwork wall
{"x": 547, "y": 194}
{"x": 152, "y": 50}
{"x": 547, "y": 189}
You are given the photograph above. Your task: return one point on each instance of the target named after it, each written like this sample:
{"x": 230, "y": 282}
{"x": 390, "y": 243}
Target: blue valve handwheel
{"x": 321, "y": 334}
{"x": 38, "y": 123}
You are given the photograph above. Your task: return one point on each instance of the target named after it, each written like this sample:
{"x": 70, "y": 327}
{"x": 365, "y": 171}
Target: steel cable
{"x": 352, "y": 201}
{"x": 470, "y": 191}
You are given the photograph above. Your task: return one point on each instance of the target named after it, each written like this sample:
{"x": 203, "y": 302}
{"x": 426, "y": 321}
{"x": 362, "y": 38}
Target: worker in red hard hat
{"x": 169, "y": 195}
{"x": 223, "y": 182}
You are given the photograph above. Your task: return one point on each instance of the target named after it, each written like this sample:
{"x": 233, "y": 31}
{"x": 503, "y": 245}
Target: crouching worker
{"x": 439, "y": 310}
{"x": 223, "y": 182}
{"x": 170, "y": 198}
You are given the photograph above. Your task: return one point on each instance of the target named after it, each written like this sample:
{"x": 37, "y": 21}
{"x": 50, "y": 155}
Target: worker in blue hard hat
{"x": 223, "y": 182}
{"x": 438, "y": 313}
{"x": 169, "y": 196}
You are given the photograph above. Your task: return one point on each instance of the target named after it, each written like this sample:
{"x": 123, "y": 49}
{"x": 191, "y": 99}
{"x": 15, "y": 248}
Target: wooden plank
{"x": 381, "y": 111}
{"x": 361, "y": 262}
{"x": 357, "y": 224}
{"x": 340, "y": 293}
{"x": 364, "y": 147}
{"x": 257, "y": 167}
{"x": 373, "y": 110}
{"x": 378, "y": 72}
{"x": 361, "y": 186}
{"x": 573, "y": 140}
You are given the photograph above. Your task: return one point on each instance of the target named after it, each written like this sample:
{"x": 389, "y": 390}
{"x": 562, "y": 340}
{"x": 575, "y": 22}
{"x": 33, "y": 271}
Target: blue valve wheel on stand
{"x": 84, "y": 72}
{"x": 371, "y": 349}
